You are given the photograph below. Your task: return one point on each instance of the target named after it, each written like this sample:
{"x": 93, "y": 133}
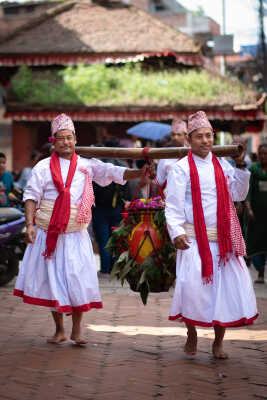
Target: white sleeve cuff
{"x": 242, "y": 172}
{"x": 119, "y": 178}
{"x": 175, "y": 232}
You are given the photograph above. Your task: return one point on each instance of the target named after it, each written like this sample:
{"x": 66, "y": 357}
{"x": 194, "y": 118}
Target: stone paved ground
{"x": 134, "y": 353}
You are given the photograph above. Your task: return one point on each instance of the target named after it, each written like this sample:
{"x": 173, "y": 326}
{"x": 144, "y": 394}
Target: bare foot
{"x": 217, "y": 350}
{"x": 78, "y": 339}
{"x": 190, "y": 347}
{"x": 57, "y": 338}
{"x": 76, "y": 335}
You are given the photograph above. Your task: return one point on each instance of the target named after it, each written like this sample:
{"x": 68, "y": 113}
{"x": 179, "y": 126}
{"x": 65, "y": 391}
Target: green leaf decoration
{"x": 142, "y": 279}
{"x": 157, "y": 272}
{"x": 144, "y": 293}
{"x": 114, "y": 272}
{"x": 126, "y": 269}
{"x": 123, "y": 257}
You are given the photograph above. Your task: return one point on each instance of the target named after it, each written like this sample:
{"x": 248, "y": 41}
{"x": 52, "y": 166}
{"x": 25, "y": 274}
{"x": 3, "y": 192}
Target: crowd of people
{"x": 110, "y": 200}
{"x": 65, "y": 192}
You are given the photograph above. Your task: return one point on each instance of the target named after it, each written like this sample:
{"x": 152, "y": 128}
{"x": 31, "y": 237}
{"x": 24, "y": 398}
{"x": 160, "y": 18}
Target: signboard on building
{"x": 223, "y": 45}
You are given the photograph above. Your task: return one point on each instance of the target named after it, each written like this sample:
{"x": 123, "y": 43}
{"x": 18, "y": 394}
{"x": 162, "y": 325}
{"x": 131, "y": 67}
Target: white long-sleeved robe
{"x": 230, "y": 299}
{"x": 68, "y": 281}
{"x": 163, "y": 169}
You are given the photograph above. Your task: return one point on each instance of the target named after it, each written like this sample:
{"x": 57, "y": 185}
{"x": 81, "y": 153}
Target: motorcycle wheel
{"x": 9, "y": 268}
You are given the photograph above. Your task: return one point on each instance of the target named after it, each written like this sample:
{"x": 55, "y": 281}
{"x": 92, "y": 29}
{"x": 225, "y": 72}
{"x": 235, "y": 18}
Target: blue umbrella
{"x": 150, "y": 130}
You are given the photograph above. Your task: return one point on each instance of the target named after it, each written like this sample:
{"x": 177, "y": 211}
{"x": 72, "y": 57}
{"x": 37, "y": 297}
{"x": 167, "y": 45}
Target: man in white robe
{"x": 224, "y": 297}
{"x": 178, "y": 138}
{"x": 58, "y": 269}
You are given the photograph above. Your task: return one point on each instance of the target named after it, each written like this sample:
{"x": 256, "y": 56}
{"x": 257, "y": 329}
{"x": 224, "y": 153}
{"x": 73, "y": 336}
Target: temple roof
{"x": 81, "y": 28}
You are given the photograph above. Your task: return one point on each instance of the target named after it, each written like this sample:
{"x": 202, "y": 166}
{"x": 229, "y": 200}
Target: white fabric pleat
{"x": 70, "y": 276}
{"x": 228, "y": 299}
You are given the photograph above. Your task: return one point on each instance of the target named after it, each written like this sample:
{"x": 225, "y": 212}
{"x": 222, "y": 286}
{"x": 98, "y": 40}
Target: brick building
{"x": 172, "y": 13}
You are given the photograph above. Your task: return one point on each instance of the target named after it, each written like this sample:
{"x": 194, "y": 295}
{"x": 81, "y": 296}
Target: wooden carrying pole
{"x": 152, "y": 153}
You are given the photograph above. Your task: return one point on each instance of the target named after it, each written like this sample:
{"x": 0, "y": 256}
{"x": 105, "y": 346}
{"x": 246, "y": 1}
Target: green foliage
{"x": 157, "y": 272}
{"x": 199, "y": 12}
{"x": 99, "y": 85}
{"x": 21, "y": 83}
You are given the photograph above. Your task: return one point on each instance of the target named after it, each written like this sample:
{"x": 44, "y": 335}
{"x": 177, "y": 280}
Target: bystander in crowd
{"x": 6, "y": 181}
{"x": 109, "y": 203}
{"x": 178, "y": 139}
{"x": 26, "y": 171}
{"x": 256, "y": 205}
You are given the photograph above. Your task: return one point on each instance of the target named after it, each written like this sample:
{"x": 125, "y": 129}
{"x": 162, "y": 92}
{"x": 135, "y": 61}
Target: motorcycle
{"x": 16, "y": 198}
{"x": 12, "y": 242}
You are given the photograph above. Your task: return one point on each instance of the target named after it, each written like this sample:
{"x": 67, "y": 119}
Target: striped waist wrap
{"x": 44, "y": 213}
{"x": 211, "y": 232}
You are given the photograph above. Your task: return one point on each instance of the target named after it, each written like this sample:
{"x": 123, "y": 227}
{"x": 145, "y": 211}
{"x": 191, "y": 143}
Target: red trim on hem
{"x": 233, "y": 324}
{"x": 54, "y": 303}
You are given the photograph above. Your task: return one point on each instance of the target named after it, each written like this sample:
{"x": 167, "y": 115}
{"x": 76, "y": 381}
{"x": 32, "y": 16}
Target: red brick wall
{"x": 21, "y": 144}
{"x": 215, "y": 28}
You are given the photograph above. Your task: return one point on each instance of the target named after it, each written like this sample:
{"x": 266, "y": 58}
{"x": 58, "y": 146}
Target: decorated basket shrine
{"x": 146, "y": 258}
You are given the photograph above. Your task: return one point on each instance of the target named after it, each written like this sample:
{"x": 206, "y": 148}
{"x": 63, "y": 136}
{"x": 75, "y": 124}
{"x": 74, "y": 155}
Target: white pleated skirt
{"x": 229, "y": 301}
{"x": 67, "y": 282}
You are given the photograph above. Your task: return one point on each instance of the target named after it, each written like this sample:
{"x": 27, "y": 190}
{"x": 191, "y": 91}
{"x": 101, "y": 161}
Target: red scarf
{"x": 61, "y": 211}
{"x": 230, "y": 238}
